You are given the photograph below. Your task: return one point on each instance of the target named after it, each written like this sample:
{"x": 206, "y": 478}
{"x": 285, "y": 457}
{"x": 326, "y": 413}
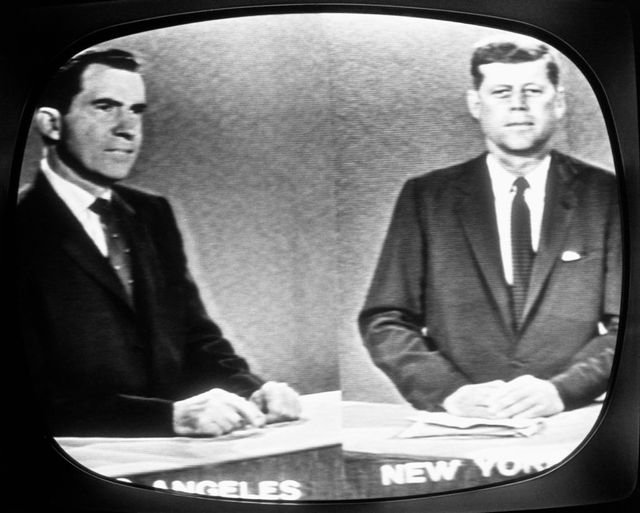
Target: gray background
{"x": 282, "y": 142}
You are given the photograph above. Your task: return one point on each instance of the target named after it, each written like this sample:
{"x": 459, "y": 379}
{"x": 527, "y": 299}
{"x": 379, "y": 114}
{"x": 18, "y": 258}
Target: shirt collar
{"x": 73, "y": 195}
{"x": 502, "y": 180}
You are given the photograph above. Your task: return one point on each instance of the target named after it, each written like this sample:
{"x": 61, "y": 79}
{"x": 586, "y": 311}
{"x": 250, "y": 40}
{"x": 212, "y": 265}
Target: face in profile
{"x": 102, "y": 131}
{"x": 517, "y": 106}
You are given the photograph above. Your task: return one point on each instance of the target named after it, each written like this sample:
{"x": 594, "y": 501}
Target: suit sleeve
{"x": 392, "y": 321}
{"x": 210, "y": 360}
{"x": 588, "y": 375}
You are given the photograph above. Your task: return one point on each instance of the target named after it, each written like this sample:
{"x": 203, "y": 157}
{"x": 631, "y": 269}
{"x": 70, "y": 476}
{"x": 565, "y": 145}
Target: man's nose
{"x": 127, "y": 125}
{"x": 518, "y": 101}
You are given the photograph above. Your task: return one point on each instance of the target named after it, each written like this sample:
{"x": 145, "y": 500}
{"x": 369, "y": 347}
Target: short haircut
{"x": 67, "y": 82}
{"x": 512, "y": 51}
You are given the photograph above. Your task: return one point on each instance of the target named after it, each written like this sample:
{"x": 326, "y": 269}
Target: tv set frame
{"x": 598, "y": 36}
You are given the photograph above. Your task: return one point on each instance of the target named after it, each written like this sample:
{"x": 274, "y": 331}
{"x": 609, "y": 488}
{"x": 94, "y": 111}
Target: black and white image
{"x": 324, "y": 245}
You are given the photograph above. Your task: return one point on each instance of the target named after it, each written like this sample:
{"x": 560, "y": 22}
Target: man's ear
{"x": 473, "y": 103}
{"x": 48, "y": 121}
{"x": 560, "y": 103}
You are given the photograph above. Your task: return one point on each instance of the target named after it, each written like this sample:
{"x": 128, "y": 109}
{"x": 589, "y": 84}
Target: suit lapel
{"x": 560, "y": 202}
{"x": 144, "y": 257}
{"x": 62, "y": 228}
{"x": 476, "y": 211}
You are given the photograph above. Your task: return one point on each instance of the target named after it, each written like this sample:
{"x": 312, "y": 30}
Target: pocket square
{"x": 570, "y": 256}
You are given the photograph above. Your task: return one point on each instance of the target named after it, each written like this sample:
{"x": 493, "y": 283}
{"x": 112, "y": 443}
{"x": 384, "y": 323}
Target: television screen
{"x": 327, "y": 303}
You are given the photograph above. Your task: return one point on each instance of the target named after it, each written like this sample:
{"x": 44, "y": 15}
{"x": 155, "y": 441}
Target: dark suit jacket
{"x": 438, "y": 313}
{"x": 102, "y": 365}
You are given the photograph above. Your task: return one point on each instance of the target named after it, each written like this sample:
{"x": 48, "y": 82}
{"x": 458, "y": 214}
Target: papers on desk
{"x": 440, "y": 424}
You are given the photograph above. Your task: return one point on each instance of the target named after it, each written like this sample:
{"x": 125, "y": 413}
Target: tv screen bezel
{"x": 569, "y": 25}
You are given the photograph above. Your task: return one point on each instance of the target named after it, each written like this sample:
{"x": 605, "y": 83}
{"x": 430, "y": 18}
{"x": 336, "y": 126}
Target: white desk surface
{"x": 319, "y": 427}
{"x": 372, "y": 428}
{"x": 362, "y": 428}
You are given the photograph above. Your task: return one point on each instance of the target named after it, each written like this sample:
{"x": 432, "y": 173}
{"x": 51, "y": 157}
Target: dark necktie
{"x": 117, "y": 247}
{"x": 521, "y": 249}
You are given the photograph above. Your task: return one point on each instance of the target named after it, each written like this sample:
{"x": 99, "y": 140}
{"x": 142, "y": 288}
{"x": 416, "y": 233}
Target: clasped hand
{"x": 522, "y": 397}
{"x": 217, "y": 412}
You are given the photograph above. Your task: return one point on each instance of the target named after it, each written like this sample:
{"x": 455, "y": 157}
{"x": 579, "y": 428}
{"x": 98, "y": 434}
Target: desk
{"x": 299, "y": 460}
{"x": 345, "y": 450}
{"x": 378, "y": 464}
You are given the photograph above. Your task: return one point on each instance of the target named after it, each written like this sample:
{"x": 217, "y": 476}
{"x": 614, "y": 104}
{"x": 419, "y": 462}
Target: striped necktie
{"x": 522, "y": 251}
{"x": 119, "y": 253}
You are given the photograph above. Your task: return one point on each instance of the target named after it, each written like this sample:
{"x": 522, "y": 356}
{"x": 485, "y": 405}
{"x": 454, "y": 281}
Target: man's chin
{"x": 107, "y": 177}
{"x": 524, "y": 148}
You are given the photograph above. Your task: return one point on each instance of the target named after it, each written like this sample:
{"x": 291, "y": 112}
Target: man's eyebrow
{"x": 136, "y": 107}
{"x": 106, "y": 101}
{"x": 139, "y": 107}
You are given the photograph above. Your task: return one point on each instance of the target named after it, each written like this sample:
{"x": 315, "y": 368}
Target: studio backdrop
{"x": 282, "y": 142}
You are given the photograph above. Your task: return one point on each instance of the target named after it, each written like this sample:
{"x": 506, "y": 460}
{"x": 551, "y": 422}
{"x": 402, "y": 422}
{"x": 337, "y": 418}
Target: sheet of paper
{"x": 441, "y": 424}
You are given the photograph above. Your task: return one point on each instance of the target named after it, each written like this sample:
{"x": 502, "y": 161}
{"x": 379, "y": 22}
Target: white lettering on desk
{"x": 419, "y": 472}
{"x": 266, "y": 490}
{"x": 509, "y": 467}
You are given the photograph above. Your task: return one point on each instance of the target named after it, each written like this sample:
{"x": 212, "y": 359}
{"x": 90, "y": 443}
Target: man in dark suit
{"x": 497, "y": 291}
{"x": 118, "y": 338}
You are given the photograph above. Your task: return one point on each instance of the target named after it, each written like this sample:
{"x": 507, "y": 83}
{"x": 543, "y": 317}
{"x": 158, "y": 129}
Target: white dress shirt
{"x": 78, "y": 201}
{"x": 503, "y": 193}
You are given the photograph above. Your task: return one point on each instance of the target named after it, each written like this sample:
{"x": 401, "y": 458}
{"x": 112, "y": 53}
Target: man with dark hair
{"x": 67, "y": 82}
{"x": 497, "y": 291}
{"x": 510, "y": 52}
{"x": 118, "y": 337}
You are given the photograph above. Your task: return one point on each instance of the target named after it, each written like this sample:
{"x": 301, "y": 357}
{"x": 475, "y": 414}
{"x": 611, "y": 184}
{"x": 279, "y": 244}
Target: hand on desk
{"x": 214, "y": 413}
{"x": 218, "y": 412}
{"x": 522, "y": 397}
{"x": 278, "y": 401}
{"x": 472, "y": 400}
{"x": 526, "y": 397}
